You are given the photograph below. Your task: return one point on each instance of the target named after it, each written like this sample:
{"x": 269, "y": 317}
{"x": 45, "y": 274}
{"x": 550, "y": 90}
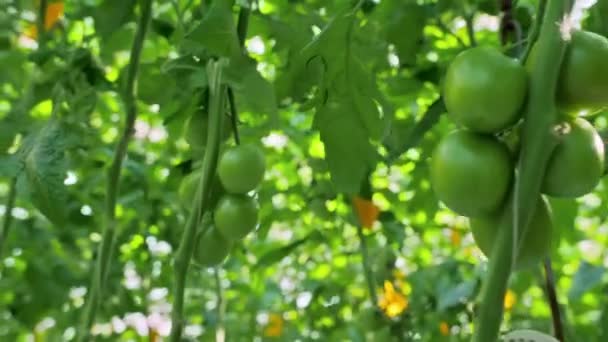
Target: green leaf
{"x": 216, "y": 32}
{"x": 587, "y": 276}
{"x": 154, "y": 86}
{"x": 365, "y": 94}
{"x": 348, "y": 151}
{"x": 45, "y": 169}
{"x": 276, "y": 255}
{"x": 252, "y": 91}
{"x": 451, "y": 295}
{"x": 112, "y": 14}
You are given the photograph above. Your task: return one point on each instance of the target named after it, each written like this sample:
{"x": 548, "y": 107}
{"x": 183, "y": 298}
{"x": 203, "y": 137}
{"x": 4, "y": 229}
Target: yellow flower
{"x": 393, "y": 303}
{"x": 510, "y": 299}
{"x": 274, "y": 328}
{"x": 444, "y": 328}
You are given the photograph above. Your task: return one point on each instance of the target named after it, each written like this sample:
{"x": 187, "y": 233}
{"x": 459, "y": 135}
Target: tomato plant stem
{"x": 184, "y": 252}
{"x": 495, "y": 285}
{"x": 558, "y": 329}
{"x": 104, "y": 252}
{"x": 538, "y": 141}
{"x": 8, "y": 216}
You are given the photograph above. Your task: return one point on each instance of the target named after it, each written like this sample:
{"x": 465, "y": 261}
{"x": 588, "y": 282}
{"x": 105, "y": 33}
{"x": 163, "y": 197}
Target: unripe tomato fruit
{"x": 211, "y": 248}
{"x": 196, "y": 130}
{"x": 235, "y": 216}
{"x": 584, "y": 73}
{"x": 536, "y": 244}
{"x": 188, "y": 186}
{"x": 484, "y": 90}
{"x": 241, "y": 168}
{"x": 471, "y": 173}
{"x": 577, "y": 163}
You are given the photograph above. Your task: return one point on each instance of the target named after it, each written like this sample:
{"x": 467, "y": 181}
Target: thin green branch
{"x": 446, "y": 30}
{"x": 220, "y": 330}
{"x": 40, "y": 23}
{"x": 558, "y": 327}
{"x": 234, "y": 116}
{"x": 369, "y": 274}
{"x": 8, "y": 216}
{"x": 243, "y": 23}
{"x": 241, "y": 30}
{"x": 469, "y": 20}
{"x": 104, "y": 253}
{"x": 534, "y": 30}
{"x": 184, "y": 252}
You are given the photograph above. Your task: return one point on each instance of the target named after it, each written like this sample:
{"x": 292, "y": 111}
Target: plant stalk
{"x": 104, "y": 252}
{"x": 184, "y": 252}
{"x": 538, "y": 141}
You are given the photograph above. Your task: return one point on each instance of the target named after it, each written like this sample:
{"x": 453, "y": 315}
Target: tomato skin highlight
{"x": 241, "y": 168}
{"x": 536, "y": 244}
{"x": 577, "y": 163}
{"x": 471, "y": 173}
{"x": 485, "y": 90}
{"x": 583, "y": 83}
{"x": 235, "y": 216}
{"x": 211, "y": 248}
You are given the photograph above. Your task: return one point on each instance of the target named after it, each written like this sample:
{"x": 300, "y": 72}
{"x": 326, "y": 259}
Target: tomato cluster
{"x": 472, "y": 168}
{"x": 240, "y": 170}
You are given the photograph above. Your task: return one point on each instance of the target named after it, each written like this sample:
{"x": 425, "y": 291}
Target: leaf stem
{"x": 558, "y": 328}
{"x": 186, "y": 247}
{"x": 104, "y": 253}
{"x": 8, "y": 216}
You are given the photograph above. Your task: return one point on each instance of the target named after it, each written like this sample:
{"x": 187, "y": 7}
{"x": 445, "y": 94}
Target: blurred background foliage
{"x": 301, "y": 275}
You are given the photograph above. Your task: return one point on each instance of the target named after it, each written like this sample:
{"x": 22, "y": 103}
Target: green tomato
{"x": 536, "y": 244}
{"x": 211, "y": 248}
{"x": 577, "y": 163}
{"x": 188, "y": 186}
{"x": 241, "y": 168}
{"x": 235, "y": 216}
{"x": 196, "y": 130}
{"x": 484, "y": 90}
{"x": 471, "y": 173}
{"x": 583, "y": 81}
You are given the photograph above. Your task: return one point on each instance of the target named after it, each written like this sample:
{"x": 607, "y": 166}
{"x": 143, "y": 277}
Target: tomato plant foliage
{"x": 343, "y": 99}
